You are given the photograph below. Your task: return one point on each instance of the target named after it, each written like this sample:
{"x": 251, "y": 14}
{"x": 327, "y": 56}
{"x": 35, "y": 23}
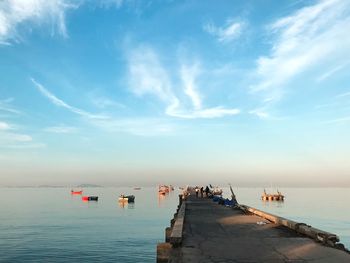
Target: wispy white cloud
{"x": 61, "y": 129}
{"x": 305, "y": 39}
{"x": 5, "y": 106}
{"x": 10, "y": 138}
{"x": 138, "y": 126}
{"x": 7, "y": 134}
{"x": 264, "y": 113}
{"x": 261, "y": 113}
{"x": 342, "y": 95}
{"x": 18, "y": 137}
{"x": 26, "y": 146}
{"x": 103, "y": 102}
{"x": 14, "y": 13}
{"x": 231, "y": 31}
{"x": 4, "y": 126}
{"x": 110, "y": 3}
{"x": 209, "y": 113}
{"x": 339, "y": 102}
{"x": 332, "y": 71}
{"x": 147, "y": 75}
{"x": 338, "y": 120}
{"x": 188, "y": 76}
{"x": 61, "y": 103}
{"x": 325, "y": 105}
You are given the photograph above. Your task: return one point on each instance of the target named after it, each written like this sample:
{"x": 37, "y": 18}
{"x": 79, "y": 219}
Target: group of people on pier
{"x": 202, "y": 191}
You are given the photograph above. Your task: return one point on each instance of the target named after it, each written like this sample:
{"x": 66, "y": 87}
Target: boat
{"x": 90, "y": 198}
{"x": 163, "y": 189}
{"x": 76, "y": 192}
{"x": 137, "y": 188}
{"x": 127, "y": 198}
{"x": 272, "y": 197}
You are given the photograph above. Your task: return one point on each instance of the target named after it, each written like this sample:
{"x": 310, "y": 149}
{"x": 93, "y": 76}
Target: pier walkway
{"x": 215, "y": 233}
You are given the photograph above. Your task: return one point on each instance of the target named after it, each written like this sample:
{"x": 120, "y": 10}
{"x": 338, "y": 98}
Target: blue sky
{"x": 144, "y": 92}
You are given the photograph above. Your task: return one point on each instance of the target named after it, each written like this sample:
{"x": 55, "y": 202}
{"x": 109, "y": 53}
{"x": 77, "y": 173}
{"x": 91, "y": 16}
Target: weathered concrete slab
{"x": 177, "y": 230}
{"x": 214, "y": 233}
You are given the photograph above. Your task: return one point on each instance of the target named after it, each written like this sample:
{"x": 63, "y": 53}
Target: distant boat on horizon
{"x": 137, "y": 188}
{"x": 76, "y": 192}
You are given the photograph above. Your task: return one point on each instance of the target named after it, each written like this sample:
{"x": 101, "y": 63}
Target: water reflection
{"x": 276, "y": 204}
{"x": 121, "y": 204}
{"x": 161, "y": 199}
{"x": 125, "y": 204}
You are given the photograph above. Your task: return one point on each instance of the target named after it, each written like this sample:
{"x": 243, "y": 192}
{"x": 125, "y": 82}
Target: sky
{"x": 136, "y": 92}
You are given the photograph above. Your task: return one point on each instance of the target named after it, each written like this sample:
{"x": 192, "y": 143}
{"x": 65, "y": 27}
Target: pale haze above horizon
{"x": 133, "y": 92}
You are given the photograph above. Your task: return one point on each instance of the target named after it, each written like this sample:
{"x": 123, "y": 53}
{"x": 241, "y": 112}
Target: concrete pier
{"x": 215, "y": 233}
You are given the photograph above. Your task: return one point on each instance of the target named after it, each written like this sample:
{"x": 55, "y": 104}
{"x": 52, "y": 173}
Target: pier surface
{"x": 215, "y": 233}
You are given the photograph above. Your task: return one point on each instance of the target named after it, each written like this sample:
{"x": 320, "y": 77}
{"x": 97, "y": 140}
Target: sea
{"x": 51, "y": 225}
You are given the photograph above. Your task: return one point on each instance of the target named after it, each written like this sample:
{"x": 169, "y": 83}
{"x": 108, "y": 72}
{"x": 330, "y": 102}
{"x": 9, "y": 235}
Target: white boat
{"x": 127, "y": 198}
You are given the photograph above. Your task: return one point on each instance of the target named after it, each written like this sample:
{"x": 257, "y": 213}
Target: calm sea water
{"x": 50, "y": 225}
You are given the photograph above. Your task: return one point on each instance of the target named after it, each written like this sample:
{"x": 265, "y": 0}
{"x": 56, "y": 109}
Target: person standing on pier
{"x": 197, "y": 190}
{"x": 202, "y": 191}
{"x": 207, "y": 191}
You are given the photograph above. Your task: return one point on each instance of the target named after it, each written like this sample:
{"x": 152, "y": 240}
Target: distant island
{"x": 88, "y": 185}
{"x": 50, "y": 186}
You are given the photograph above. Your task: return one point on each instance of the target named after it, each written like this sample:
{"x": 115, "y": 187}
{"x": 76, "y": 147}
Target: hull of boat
{"x": 128, "y": 198}
{"x": 90, "y": 198}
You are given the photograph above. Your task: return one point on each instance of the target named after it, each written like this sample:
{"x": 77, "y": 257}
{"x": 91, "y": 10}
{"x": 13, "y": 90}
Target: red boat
{"x": 90, "y": 198}
{"x": 76, "y": 192}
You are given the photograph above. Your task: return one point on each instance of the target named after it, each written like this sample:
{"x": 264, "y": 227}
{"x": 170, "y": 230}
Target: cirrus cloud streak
{"x": 147, "y": 75}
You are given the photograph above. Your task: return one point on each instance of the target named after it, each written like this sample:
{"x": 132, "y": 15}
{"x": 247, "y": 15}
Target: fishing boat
{"x": 127, "y": 198}
{"x": 272, "y": 197}
{"x": 76, "y": 192}
{"x": 137, "y": 188}
{"x": 163, "y": 189}
{"x": 90, "y": 198}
